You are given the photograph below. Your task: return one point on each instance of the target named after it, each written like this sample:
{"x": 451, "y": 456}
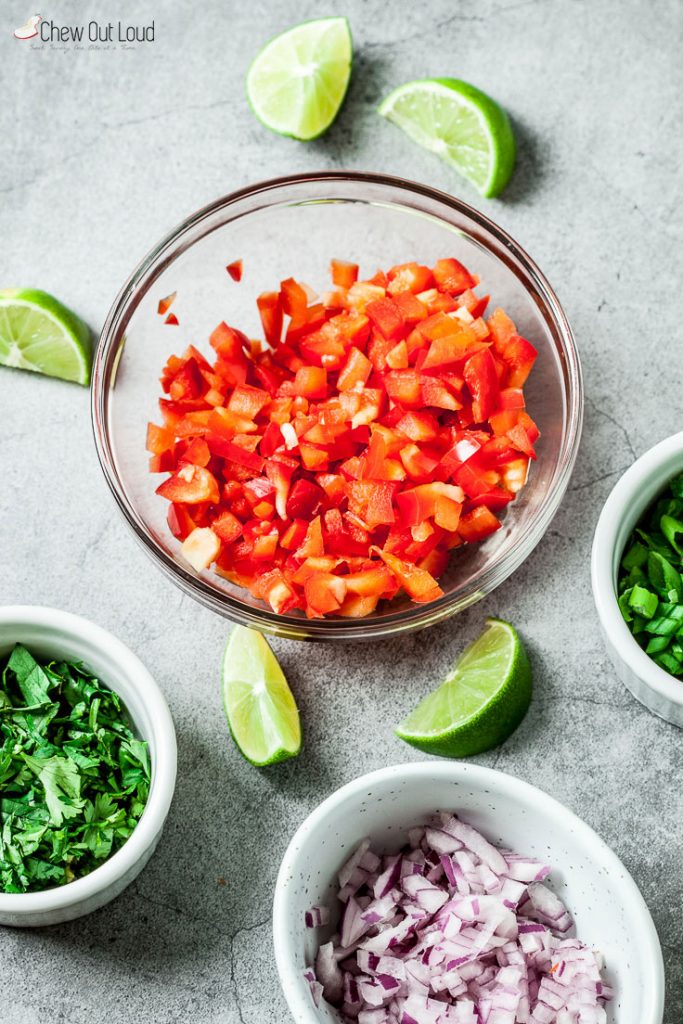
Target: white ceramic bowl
{"x": 49, "y": 633}
{"x": 632, "y": 494}
{"x": 609, "y": 911}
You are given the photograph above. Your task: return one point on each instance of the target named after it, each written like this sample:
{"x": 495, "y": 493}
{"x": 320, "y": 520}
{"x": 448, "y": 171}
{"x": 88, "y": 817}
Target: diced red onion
{"x": 352, "y": 863}
{"x": 317, "y": 917}
{"x": 453, "y": 931}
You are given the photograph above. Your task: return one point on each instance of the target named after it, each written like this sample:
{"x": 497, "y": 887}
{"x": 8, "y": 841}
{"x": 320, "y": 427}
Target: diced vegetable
{"x": 650, "y": 586}
{"x": 452, "y": 929}
{"x": 235, "y": 270}
{"x": 378, "y": 428}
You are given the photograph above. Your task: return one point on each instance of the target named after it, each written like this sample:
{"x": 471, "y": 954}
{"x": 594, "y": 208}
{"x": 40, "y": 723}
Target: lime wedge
{"x": 459, "y": 123}
{"x": 261, "y": 711}
{"x": 297, "y": 83}
{"x": 482, "y": 702}
{"x": 38, "y": 333}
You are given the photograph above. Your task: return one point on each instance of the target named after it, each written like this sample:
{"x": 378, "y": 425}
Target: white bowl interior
{"x": 608, "y": 910}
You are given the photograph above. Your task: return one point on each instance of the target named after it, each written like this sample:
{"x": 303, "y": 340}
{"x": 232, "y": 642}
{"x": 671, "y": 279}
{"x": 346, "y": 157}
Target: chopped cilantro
{"x": 74, "y": 779}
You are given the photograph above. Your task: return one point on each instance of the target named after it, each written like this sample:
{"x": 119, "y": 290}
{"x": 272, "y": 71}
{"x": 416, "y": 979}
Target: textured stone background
{"x": 102, "y": 152}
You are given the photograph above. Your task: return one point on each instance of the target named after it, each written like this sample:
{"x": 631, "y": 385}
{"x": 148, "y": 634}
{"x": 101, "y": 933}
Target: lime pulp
{"x": 259, "y": 705}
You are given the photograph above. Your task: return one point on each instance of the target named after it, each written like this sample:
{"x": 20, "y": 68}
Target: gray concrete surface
{"x": 101, "y": 152}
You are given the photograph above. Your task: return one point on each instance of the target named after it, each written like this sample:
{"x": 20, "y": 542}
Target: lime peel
{"x": 460, "y": 124}
{"x": 38, "y": 333}
{"x": 297, "y": 83}
{"x": 480, "y": 704}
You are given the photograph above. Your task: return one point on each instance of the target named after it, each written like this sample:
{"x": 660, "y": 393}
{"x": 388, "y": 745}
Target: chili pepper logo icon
{"x": 30, "y": 29}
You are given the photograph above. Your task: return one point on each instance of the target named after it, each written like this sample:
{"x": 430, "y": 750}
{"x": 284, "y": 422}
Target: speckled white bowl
{"x": 609, "y": 911}
{"x": 56, "y": 634}
{"x": 660, "y": 692}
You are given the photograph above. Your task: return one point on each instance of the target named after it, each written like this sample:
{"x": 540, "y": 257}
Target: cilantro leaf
{"x": 32, "y": 681}
{"x": 74, "y": 779}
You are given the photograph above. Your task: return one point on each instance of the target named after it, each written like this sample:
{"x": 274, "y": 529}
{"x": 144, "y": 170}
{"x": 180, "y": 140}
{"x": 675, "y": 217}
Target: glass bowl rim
{"x": 416, "y": 616}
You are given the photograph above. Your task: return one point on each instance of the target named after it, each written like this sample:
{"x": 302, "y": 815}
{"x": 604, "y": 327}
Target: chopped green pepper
{"x": 643, "y": 602}
{"x": 650, "y": 579}
{"x": 673, "y": 531}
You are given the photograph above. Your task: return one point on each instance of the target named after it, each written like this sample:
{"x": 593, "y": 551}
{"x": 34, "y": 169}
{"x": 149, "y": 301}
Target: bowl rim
{"x": 626, "y": 494}
{"x": 162, "y": 742}
{"x": 294, "y": 987}
{"x": 415, "y": 616}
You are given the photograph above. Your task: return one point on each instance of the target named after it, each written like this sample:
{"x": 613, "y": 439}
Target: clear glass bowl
{"x": 292, "y": 227}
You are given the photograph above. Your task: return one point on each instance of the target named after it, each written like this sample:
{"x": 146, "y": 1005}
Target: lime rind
{"x": 480, "y": 704}
{"x": 38, "y": 333}
{"x": 299, "y": 104}
{"x": 466, "y": 128}
{"x": 260, "y": 708}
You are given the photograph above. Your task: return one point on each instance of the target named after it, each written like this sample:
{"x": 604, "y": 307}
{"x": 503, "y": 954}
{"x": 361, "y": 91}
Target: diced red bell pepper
{"x": 482, "y": 380}
{"x": 343, "y": 274}
{"x": 270, "y": 310}
{"x": 370, "y": 582}
{"x": 197, "y": 453}
{"x": 166, "y": 303}
{"x": 159, "y": 439}
{"x": 179, "y": 521}
{"x": 187, "y": 383}
{"x": 190, "y": 485}
{"x": 247, "y": 401}
{"x": 404, "y": 387}
{"x": 436, "y": 394}
{"x": 423, "y": 502}
{"x": 519, "y": 356}
{"x": 387, "y": 318}
{"x": 478, "y": 524}
{"x": 520, "y": 440}
{"x": 495, "y": 499}
{"x": 355, "y": 371}
{"x": 502, "y": 329}
{"x": 324, "y": 592}
{"x": 344, "y": 463}
{"x": 304, "y": 499}
{"x": 420, "y": 427}
{"x": 313, "y": 544}
{"x": 450, "y": 348}
{"x": 311, "y": 382}
{"x": 397, "y": 357}
{"x": 409, "y": 277}
{"x": 451, "y": 276}
{"x": 227, "y": 527}
{"x": 163, "y": 463}
{"x": 418, "y": 583}
{"x": 410, "y": 308}
{"x": 474, "y": 304}
{"x": 418, "y": 464}
{"x": 235, "y": 270}
{"x": 472, "y": 482}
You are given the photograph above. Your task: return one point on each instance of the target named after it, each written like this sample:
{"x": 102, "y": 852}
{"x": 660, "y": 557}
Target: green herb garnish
{"x": 650, "y": 587}
{"x": 74, "y": 778}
